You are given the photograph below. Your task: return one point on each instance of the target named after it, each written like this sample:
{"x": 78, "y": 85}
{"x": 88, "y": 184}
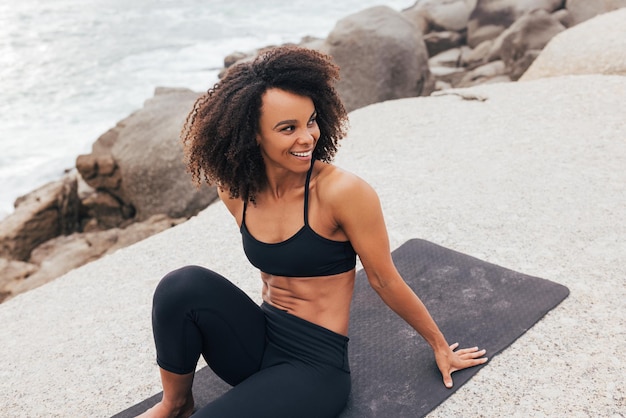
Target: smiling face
{"x": 288, "y": 130}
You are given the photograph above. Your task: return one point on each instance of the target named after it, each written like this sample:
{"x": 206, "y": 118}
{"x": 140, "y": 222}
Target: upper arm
{"x": 359, "y": 214}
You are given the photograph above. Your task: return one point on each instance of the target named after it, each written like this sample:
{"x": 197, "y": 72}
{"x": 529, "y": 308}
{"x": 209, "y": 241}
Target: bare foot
{"x": 162, "y": 410}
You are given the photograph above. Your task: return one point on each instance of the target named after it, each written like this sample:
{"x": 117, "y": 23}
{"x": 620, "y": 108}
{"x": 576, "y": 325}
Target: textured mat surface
{"x": 393, "y": 369}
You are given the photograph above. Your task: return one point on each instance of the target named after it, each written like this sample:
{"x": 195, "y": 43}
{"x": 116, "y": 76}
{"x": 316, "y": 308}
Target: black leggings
{"x": 280, "y": 365}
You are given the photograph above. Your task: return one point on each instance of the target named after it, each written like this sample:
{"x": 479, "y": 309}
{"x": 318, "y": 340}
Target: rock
{"x": 491, "y": 17}
{"x": 140, "y": 163}
{"x": 45, "y": 213}
{"x": 485, "y": 73}
{"x": 92, "y": 167}
{"x": 483, "y": 33}
{"x": 581, "y": 10}
{"x": 437, "y": 42}
{"x": 234, "y": 57}
{"x": 87, "y": 166}
{"x": 521, "y": 43}
{"x": 517, "y": 69}
{"x": 450, "y": 78}
{"x": 442, "y": 85}
{"x": 597, "y": 46}
{"x": 504, "y": 78}
{"x": 447, "y": 69}
{"x": 563, "y": 16}
{"x": 449, "y": 58}
{"x": 62, "y": 254}
{"x": 477, "y": 56}
{"x": 13, "y": 271}
{"x": 110, "y": 178}
{"x": 418, "y": 19}
{"x": 312, "y": 42}
{"x": 382, "y": 56}
{"x": 106, "y": 210}
{"x": 446, "y": 15}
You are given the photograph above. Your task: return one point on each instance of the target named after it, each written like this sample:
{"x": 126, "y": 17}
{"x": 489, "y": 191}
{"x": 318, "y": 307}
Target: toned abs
{"x": 324, "y": 301}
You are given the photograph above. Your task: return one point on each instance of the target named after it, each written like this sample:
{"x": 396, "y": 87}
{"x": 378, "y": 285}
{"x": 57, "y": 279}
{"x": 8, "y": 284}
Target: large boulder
{"x": 491, "y": 17}
{"x": 440, "y": 15}
{"x": 139, "y": 162}
{"x": 382, "y": 57}
{"x": 43, "y": 214}
{"x": 597, "y": 46}
{"x": 520, "y": 44}
{"x": 581, "y": 10}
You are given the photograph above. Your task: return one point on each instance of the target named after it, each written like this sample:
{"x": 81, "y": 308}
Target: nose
{"x": 309, "y": 135}
{"x": 305, "y": 137}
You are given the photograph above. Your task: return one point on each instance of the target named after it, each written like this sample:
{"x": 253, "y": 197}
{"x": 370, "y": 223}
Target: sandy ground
{"x": 532, "y": 178}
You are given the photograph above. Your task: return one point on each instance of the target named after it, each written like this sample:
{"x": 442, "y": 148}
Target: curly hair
{"x": 219, "y": 135}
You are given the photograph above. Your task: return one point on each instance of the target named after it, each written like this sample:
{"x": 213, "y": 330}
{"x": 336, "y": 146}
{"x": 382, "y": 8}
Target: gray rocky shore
{"x": 528, "y": 175}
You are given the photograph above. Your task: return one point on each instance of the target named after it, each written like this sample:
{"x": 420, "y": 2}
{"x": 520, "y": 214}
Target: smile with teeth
{"x": 302, "y": 154}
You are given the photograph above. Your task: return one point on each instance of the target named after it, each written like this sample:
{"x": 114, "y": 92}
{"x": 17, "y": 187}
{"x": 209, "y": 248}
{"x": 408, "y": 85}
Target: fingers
{"x": 447, "y": 380}
{"x": 473, "y": 358}
{"x": 471, "y": 352}
{"x": 455, "y": 345}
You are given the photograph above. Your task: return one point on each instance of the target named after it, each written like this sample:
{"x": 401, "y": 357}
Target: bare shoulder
{"x": 340, "y": 187}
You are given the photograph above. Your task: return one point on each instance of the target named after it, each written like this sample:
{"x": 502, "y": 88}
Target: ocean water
{"x": 70, "y": 69}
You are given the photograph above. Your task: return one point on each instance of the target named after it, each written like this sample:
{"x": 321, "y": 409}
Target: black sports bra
{"x": 305, "y": 254}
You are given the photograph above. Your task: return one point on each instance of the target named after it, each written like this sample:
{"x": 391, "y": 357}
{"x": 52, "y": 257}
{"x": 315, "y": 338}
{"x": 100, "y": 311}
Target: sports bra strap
{"x": 306, "y": 194}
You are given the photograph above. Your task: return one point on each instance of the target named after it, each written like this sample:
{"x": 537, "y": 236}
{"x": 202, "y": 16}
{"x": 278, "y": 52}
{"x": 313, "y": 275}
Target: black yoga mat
{"x": 393, "y": 369}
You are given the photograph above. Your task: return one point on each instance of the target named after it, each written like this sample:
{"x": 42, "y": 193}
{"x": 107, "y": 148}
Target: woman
{"x": 266, "y": 134}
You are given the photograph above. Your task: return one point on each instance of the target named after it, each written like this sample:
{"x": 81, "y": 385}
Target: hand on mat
{"x": 450, "y": 361}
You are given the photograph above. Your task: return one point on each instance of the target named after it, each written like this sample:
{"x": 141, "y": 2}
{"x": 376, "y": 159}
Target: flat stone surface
{"x": 531, "y": 178}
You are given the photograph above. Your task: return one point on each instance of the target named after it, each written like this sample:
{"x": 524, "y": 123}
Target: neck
{"x": 280, "y": 185}
{"x": 282, "y": 182}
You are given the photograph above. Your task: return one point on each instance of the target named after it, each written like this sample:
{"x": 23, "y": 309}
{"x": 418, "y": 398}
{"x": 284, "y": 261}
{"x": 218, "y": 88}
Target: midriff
{"x": 324, "y": 301}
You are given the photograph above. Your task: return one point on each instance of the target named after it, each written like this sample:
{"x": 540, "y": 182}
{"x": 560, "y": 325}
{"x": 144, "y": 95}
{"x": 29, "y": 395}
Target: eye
{"x": 289, "y": 128}
{"x": 313, "y": 120}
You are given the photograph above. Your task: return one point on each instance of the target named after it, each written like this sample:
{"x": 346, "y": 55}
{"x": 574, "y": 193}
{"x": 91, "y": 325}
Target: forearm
{"x": 403, "y": 301}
